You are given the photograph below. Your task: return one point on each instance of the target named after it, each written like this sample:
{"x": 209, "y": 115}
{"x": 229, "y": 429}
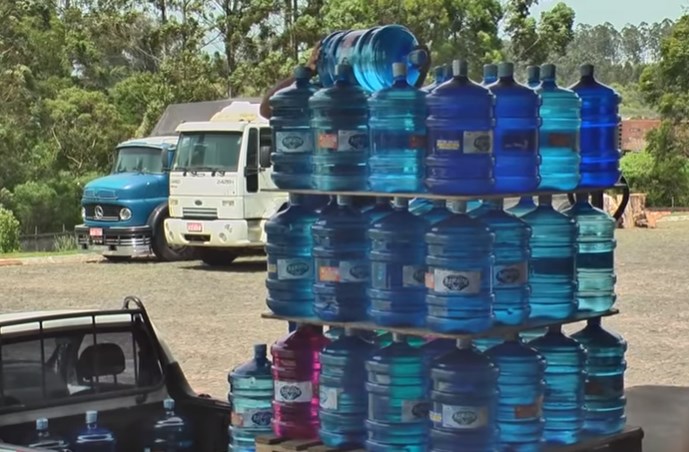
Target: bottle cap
{"x": 439, "y": 72}
{"x": 295, "y": 198}
{"x": 547, "y": 71}
{"x": 169, "y": 404}
{"x": 464, "y": 342}
{"x": 42, "y": 424}
{"x": 586, "y": 70}
{"x": 301, "y": 72}
{"x": 91, "y": 417}
{"x": 545, "y": 199}
{"x": 455, "y": 206}
{"x": 399, "y": 70}
{"x": 343, "y": 69}
{"x": 460, "y": 68}
{"x": 533, "y": 73}
{"x": 490, "y": 71}
{"x": 260, "y": 350}
{"x": 401, "y": 203}
{"x": 505, "y": 69}
{"x": 397, "y": 337}
{"x": 344, "y": 200}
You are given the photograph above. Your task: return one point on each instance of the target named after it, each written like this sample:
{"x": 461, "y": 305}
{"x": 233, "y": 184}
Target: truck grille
{"x": 110, "y": 212}
{"x": 200, "y": 213}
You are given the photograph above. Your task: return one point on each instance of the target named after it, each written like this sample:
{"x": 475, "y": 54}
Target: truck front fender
{"x": 159, "y": 213}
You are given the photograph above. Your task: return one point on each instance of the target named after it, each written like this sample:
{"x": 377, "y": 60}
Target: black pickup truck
{"x": 59, "y": 364}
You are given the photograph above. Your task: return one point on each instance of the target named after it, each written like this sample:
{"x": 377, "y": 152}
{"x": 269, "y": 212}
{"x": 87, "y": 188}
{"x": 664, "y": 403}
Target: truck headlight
{"x": 125, "y": 214}
{"x": 83, "y": 213}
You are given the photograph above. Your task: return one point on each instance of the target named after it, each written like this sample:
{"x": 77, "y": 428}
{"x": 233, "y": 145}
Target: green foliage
{"x": 637, "y": 168}
{"x": 9, "y": 231}
{"x": 64, "y": 243}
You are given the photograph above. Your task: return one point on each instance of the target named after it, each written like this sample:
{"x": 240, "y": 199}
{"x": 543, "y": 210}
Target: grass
{"x": 19, "y": 255}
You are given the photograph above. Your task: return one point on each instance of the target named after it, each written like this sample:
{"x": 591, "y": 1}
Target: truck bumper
{"x": 131, "y": 241}
{"x": 215, "y": 233}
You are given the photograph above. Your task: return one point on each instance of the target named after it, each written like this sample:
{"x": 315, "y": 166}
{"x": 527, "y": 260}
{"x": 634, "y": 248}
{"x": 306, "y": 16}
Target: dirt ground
{"x": 211, "y": 318}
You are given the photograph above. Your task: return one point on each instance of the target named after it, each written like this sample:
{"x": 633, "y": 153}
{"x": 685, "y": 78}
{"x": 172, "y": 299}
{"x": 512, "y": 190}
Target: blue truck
{"x": 124, "y": 212}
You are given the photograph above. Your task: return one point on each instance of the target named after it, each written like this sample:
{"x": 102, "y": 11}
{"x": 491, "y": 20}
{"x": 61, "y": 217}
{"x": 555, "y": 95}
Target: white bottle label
{"x": 352, "y": 140}
{"x": 414, "y": 410}
{"x": 346, "y": 271}
{"x": 294, "y": 141}
{"x": 413, "y": 276}
{"x": 252, "y": 418}
{"x": 478, "y": 142}
{"x": 293, "y": 391}
{"x": 464, "y": 417}
{"x": 454, "y": 282}
{"x": 328, "y": 397}
{"x": 298, "y": 268}
{"x": 510, "y": 275}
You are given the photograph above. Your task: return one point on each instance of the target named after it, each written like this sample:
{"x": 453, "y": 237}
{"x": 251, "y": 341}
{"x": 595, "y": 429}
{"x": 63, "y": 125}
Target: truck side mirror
{"x": 264, "y": 156}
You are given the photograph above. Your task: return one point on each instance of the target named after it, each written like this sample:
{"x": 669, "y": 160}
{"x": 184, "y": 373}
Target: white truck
{"x": 218, "y": 200}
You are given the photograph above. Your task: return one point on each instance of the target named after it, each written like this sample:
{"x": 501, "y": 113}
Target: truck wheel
{"x": 216, "y": 257}
{"x": 166, "y": 252}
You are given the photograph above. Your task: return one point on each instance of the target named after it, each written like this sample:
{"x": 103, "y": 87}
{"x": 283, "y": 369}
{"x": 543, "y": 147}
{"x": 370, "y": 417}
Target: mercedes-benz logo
{"x": 98, "y": 212}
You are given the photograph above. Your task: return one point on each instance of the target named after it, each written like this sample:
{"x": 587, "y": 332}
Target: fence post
{"x": 35, "y": 238}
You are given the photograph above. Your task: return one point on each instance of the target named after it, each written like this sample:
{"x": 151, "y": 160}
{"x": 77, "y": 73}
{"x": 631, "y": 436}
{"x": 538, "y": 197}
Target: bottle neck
{"x": 548, "y": 82}
{"x": 545, "y": 200}
{"x": 596, "y": 321}
{"x": 507, "y": 79}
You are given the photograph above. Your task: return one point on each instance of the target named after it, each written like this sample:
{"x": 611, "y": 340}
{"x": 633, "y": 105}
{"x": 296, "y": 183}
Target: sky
{"x": 619, "y": 12}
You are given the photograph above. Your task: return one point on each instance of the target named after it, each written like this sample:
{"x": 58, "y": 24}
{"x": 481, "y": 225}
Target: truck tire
{"x": 215, "y": 257}
{"x": 165, "y": 252}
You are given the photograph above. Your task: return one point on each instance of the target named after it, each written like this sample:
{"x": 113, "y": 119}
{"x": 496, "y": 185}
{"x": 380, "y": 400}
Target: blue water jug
{"x": 600, "y": 121}
{"x": 515, "y": 136}
{"x": 371, "y": 53}
{"x": 342, "y": 391}
{"x": 436, "y": 213}
{"x": 522, "y": 386}
{"x": 559, "y": 134}
{"x": 289, "y": 246}
{"x": 340, "y": 253}
{"x": 490, "y": 74}
{"x": 292, "y": 135}
{"x": 595, "y": 260}
{"x": 94, "y": 438}
{"x": 483, "y": 344}
{"x": 511, "y": 268}
{"x": 397, "y": 405}
{"x": 44, "y": 440}
{"x": 441, "y": 74}
{"x": 172, "y": 433}
{"x": 524, "y": 206}
{"x": 460, "y": 259}
{"x": 464, "y": 401}
{"x": 398, "y": 268}
{"x": 563, "y": 403}
{"x": 251, "y": 396}
{"x": 460, "y": 137}
{"x": 533, "y": 76}
{"x": 604, "y": 400}
{"x": 397, "y": 120}
{"x": 340, "y": 125}
{"x": 553, "y": 251}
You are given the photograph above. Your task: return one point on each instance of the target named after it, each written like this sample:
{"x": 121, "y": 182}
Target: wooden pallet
{"x": 629, "y": 440}
{"x": 275, "y": 444}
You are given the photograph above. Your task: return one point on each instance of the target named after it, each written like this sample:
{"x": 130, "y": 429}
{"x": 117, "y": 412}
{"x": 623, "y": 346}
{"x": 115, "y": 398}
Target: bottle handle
{"x": 423, "y": 53}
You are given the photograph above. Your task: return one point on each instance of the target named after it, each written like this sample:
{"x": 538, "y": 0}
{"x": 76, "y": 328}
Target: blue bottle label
{"x": 328, "y": 397}
{"x": 561, "y": 139}
{"x": 463, "y": 417}
{"x": 605, "y": 387}
{"x": 596, "y": 261}
{"x": 520, "y": 140}
{"x": 346, "y": 271}
{"x": 344, "y": 140}
{"x": 293, "y": 391}
{"x": 294, "y": 141}
{"x": 252, "y": 418}
{"x": 298, "y": 268}
{"x": 413, "y": 276}
{"x": 510, "y": 275}
{"x": 454, "y": 282}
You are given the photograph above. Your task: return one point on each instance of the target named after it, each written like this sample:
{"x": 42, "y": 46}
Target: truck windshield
{"x": 134, "y": 159}
{"x": 208, "y": 151}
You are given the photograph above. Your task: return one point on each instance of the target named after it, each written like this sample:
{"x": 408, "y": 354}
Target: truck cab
{"x": 220, "y": 185}
{"x": 124, "y": 211}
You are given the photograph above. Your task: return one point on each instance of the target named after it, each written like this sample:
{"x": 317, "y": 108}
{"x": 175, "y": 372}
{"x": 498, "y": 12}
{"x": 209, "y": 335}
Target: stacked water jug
{"x": 439, "y": 255}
